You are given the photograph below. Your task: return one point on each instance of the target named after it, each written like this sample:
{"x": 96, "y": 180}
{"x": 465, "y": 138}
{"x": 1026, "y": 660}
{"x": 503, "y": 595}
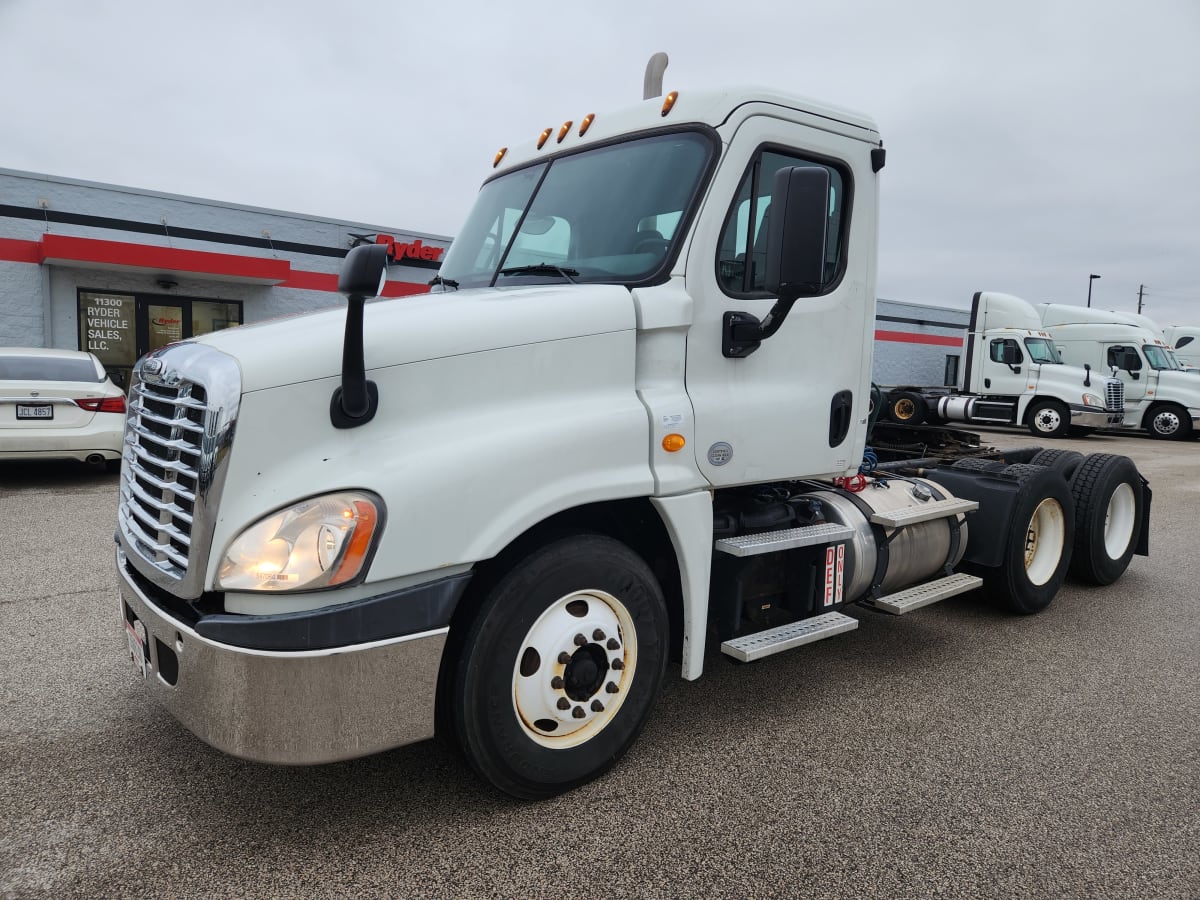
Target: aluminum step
{"x": 935, "y": 509}
{"x": 750, "y": 647}
{"x": 925, "y": 594}
{"x": 787, "y": 539}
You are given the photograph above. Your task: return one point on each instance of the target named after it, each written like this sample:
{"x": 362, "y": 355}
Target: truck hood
{"x": 428, "y": 326}
{"x": 1182, "y": 387}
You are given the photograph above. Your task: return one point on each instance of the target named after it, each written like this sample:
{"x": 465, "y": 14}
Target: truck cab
{"x": 1162, "y": 398}
{"x": 1184, "y": 340}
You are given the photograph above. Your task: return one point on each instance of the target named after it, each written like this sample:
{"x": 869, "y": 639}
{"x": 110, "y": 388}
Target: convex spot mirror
{"x": 364, "y": 271}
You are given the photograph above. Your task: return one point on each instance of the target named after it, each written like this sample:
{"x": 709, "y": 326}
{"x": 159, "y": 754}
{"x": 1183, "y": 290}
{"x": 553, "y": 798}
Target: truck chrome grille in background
{"x": 181, "y": 409}
{"x": 1114, "y": 395}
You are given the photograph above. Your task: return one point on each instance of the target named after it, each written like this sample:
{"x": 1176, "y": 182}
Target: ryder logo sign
{"x": 400, "y": 251}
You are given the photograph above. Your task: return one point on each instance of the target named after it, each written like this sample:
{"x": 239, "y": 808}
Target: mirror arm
{"x": 742, "y": 333}
{"x": 355, "y": 402}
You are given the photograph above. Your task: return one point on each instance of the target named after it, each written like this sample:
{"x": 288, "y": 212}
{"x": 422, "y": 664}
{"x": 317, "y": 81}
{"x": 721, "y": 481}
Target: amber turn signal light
{"x": 673, "y": 443}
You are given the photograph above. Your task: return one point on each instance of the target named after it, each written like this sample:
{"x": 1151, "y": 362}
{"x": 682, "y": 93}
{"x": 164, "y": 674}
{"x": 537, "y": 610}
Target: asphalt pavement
{"x": 956, "y": 751}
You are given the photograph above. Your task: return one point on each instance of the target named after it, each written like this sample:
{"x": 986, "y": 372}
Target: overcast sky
{"x": 1030, "y": 144}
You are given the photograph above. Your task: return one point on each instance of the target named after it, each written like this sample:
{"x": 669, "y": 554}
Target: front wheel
{"x": 1049, "y": 419}
{"x": 560, "y": 667}
{"x": 1169, "y": 422}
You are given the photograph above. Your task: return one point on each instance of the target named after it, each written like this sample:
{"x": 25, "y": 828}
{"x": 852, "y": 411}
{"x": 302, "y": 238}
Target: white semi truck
{"x": 1013, "y": 375}
{"x": 626, "y": 428}
{"x": 1161, "y": 398}
{"x": 1185, "y": 341}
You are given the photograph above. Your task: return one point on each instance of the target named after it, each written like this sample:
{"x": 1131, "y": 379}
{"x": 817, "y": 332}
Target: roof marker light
{"x": 499, "y": 156}
{"x": 670, "y": 102}
{"x": 586, "y": 124}
{"x": 545, "y": 137}
{"x": 565, "y": 130}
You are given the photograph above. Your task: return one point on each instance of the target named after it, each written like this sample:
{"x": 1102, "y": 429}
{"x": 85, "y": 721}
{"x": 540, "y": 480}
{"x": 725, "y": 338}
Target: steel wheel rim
{"x": 905, "y": 408}
{"x": 1166, "y": 422}
{"x": 1119, "y": 521}
{"x": 1048, "y": 420}
{"x": 562, "y": 694}
{"x": 1045, "y": 538}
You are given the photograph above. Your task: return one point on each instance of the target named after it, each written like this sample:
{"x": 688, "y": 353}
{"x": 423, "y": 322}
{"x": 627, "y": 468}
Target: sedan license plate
{"x": 136, "y": 633}
{"x": 35, "y": 411}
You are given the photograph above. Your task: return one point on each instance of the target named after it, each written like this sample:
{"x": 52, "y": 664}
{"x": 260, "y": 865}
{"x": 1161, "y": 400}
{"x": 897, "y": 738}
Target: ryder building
{"x": 121, "y": 271}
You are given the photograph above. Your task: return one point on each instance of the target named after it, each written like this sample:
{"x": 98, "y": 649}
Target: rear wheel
{"x": 906, "y": 408}
{"x": 1037, "y": 541}
{"x": 1064, "y": 461}
{"x": 560, "y": 667}
{"x": 1049, "y": 419}
{"x": 1169, "y": 422}
{"x": 1108, "y": 496}
{"x": 974, "y": 464}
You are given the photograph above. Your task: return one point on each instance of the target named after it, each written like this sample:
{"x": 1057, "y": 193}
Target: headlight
{"x": 1093, "y": 400}
{"x": 318, "y": 543}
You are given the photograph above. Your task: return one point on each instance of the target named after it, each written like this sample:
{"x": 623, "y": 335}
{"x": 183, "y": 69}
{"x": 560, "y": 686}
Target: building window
{"x": 119, "y": 328}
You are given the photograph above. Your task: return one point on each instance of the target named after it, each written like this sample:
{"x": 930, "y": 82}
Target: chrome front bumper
{"x": 292, "y": 707}
{"x": 1090, "y": 417}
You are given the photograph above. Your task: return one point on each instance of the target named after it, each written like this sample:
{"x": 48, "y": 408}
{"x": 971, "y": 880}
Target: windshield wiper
{"x": 444, "y": 282}
{"x": 542, "y": 269}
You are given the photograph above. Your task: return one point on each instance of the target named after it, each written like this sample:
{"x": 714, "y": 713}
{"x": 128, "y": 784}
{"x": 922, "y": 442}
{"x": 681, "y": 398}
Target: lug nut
{"x": 618, "y": 664}
{"x": 556, "y": 683}
{"x": 611, "y": 687}
{"x": 564, "y": 657}
{"x": 597, "y": 635}
{"x": 580, "y": 640}
{"x": 612, "y": 644}
{"x": 564, "y": 703}
{"x": 578, "y": 712}
{"x": 597, "y": 706}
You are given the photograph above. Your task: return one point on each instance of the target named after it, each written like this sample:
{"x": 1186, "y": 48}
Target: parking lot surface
{"x": 957, "y": 751}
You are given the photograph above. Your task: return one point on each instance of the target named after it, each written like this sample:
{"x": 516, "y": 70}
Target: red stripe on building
{"x": 909, "y": 337}
{"x": 63, "y": 250}
{"x": 12, "y": 250}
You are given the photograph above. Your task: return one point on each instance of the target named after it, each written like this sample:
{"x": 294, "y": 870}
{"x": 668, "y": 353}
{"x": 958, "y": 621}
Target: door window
{"x": 741, "y": 258}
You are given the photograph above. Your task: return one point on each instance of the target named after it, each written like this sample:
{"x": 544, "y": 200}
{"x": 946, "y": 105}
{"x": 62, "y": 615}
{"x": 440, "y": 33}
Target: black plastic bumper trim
{"x": 414, "y": 610}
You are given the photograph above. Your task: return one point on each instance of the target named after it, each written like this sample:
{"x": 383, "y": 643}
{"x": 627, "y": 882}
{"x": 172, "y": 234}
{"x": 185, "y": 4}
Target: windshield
{"x": 1159, "y": 357}
{"x": 1042, "y": 351}
{"x": 610, "y": 214}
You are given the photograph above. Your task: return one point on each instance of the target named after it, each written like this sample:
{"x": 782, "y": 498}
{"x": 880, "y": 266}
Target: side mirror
{"x": 363, "y": 274}
{"x": 797, "y": 231}
{"x": 797, "y": 223}
{"x": 364, "y": 271}
{"x": 1011, "y": 354}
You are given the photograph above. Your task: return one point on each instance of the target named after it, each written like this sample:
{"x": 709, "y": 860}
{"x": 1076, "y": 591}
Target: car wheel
{"x": 560, "y": 667}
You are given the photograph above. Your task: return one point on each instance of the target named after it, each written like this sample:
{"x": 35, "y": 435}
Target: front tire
{"x": 1168, "y": 422}
{"x": 1108, "y": 517}
{"x": 560, "y": 667}
{"x": 1049, "y": 419}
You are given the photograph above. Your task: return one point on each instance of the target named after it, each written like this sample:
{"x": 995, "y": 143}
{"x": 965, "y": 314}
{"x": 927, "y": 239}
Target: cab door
{"x": 797, "y": 406}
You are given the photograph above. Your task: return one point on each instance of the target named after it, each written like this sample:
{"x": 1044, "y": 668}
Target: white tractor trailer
{"x": 622, "y": 437}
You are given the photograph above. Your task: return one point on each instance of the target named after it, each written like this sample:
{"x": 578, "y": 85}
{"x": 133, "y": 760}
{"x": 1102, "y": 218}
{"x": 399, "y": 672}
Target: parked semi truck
{"x": 1185, "y": 341}
{"x": 1161, "y": 398}
{"x": 1013, "y": 375}
{"x": 626, "y": 428}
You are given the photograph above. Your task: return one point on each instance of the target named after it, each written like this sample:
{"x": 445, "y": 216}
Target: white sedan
{"x": 58, "y": 404}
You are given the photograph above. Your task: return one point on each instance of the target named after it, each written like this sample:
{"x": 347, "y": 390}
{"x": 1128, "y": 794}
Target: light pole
{"x": 1091, "y": 278}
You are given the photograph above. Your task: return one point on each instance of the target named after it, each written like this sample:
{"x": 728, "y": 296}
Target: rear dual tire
{"x": 1108, "y": 494}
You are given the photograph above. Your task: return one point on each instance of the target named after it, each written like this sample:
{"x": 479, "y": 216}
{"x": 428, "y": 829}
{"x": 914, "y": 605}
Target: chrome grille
{"x": 1114, "y": 395}
{"x": 181, "y": 410}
